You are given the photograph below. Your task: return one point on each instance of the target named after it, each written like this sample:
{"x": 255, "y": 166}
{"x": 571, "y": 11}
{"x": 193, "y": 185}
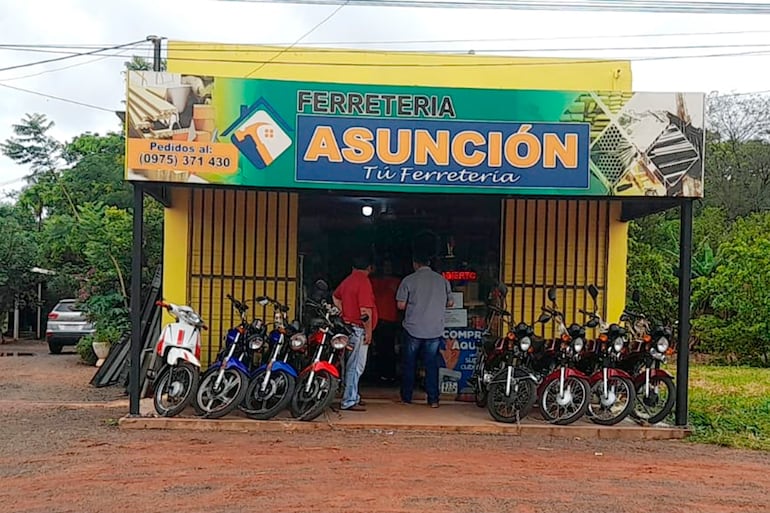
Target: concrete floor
{"x": 384, "y": 414}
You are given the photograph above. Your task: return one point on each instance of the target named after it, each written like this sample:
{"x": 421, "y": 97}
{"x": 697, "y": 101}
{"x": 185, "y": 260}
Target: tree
{"x": 738, "y": 153}
{"x": 32, "y": 146}
{"x": 79, "y": 188}
{"x": 736, "y": 299}
{"x": 18, "y": 254}
{"x": 141, "y": 64}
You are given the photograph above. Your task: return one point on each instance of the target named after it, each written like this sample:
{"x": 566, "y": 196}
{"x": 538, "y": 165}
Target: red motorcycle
{"x": 612, "y": 389}
{"x": 319, "y": 381}
{"x": 655, "y": 388}
{"x": 564, "y": 393}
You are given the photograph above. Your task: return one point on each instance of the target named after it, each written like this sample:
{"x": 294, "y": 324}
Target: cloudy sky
{"x": 97, "y": 81}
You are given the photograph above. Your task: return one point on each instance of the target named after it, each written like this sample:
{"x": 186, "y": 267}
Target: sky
{"x": 98, "y": 81}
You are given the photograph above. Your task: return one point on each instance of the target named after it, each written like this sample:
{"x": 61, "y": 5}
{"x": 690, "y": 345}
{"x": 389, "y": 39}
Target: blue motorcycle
{"x": 224, "y": 384}
{"x": 272, "y": 384}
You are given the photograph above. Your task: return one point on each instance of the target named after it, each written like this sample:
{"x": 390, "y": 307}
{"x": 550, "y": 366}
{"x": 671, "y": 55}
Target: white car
{"x": 66, "y": 325}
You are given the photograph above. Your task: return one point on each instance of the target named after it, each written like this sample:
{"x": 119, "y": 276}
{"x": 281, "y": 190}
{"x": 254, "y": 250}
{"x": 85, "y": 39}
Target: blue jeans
{"x": 354, "y": 368}
{"x": 428, "y": 347}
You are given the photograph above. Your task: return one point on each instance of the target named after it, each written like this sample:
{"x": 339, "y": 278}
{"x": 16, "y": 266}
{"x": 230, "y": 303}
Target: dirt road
{"x": 70, "y": 457}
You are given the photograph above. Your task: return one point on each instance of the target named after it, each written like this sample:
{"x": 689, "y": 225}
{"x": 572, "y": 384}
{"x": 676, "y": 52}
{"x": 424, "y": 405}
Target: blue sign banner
{"x": 443, "y": 153}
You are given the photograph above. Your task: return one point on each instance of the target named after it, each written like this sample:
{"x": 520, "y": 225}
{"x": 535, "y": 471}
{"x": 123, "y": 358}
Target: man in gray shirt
{"x": 424, "y": 295}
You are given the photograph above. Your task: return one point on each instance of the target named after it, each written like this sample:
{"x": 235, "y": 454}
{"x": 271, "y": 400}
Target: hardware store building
{"x": 527, "y": 170}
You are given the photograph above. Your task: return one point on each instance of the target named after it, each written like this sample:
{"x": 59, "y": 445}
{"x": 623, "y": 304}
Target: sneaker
{"x": 434, "y": 405}
{"x": 355, "y": 407}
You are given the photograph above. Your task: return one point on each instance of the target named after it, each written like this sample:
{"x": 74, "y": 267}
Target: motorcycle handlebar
{"x": 281, "y": 307}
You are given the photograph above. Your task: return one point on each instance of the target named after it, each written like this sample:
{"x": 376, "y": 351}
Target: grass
{"x": 730, "y": 406}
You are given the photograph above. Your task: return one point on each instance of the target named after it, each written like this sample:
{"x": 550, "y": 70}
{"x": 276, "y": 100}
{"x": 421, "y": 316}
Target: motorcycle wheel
{"x": 198, "y": 410}
{"x": 511, "y": 408}
{"x": 265, "y": 405}
{"x": 577, "y": 393}
{"x": 217, "y": 403}
{"x": 174, "y": 389}
{"x": 309, "y": 405}
{"x": 623, "y": 389}
{"x": 646, "y": 408}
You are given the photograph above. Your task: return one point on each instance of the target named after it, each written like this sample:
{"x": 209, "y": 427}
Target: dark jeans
{"x": 385, "y": 340}
{"x": 428, "y": 348}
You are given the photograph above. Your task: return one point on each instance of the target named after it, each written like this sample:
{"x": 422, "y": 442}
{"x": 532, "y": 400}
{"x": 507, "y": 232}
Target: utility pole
{"x": 156, "y": 61}
{"x": 136, "y": 272}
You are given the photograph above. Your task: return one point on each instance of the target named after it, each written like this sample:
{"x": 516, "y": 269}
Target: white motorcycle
{"x": 179, "y": 349}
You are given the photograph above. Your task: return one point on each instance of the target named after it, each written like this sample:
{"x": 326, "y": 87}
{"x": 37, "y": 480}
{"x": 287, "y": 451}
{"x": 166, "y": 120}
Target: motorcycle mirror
{"x": 262, "y": 300}
{"x": 593, "y": 291}
{"x": 592, "y": 323}
{"x": 552, "y": 294}
{"x": 635, "y": 296}
{"x": 544, "y": 317}
{"x": 321, "y": 285}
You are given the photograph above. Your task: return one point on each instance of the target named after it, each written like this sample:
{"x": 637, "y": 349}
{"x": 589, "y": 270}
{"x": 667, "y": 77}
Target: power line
{"x": 59, "y": 98}
{"x": 22, "y": 77}
{"x": 83, "y": 54}
{"x": 511, "y": 50}
{"x": 474, "y": 64}
{"x": 654, "y": 6}
{"x": 48, "y": 47}
{"x": 313, "y": 29}
{"x": 459, "y": 51}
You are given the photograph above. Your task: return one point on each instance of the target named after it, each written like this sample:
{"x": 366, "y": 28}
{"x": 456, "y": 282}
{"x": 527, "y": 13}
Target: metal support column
{"x": 683, "y": 349}
{"x": 136, "y": 300}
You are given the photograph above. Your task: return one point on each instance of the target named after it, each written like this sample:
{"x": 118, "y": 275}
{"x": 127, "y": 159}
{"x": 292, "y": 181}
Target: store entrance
{"x": 466, "y": 234}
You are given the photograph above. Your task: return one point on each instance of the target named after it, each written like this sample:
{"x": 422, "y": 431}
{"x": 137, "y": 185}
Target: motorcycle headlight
{"x": 618, "y": 344}
{"x": 577, "y": 345}
{"x": 190, "y": 317}
{"x": 298, "y": 341}
{"x": 339, "y": 341}
{"x": 524, "y": 343}
{"x": 256, "y": 342}
{"x": 662, "y": 345}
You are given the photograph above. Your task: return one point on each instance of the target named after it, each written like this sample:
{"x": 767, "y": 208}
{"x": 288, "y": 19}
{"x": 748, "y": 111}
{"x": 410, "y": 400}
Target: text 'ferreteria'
{"x": 375, "y": 104}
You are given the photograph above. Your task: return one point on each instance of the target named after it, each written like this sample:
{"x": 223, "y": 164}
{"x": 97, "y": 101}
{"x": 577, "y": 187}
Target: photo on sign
{"x": 169, "y": 107}
{"x": 657, "y": 140}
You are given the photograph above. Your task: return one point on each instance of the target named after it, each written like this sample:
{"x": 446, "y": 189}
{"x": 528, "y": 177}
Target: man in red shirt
{"x": 355, "y": 298}
{"x": 385, "y": 286}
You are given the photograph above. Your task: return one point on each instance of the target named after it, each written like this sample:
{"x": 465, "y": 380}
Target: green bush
{"x": 736, "y": 298}
{"x": 85, "y": 349}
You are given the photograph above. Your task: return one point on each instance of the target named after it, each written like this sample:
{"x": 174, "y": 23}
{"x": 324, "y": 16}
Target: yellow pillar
{"x": 617, "y": 259}
{"x": 176, "y": 249}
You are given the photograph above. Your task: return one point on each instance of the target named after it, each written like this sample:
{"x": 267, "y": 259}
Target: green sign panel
{"x": 300, "y": 135}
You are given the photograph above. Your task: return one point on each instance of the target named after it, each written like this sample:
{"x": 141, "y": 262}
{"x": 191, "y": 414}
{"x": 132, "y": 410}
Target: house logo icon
{"x": 260, "y": 134}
